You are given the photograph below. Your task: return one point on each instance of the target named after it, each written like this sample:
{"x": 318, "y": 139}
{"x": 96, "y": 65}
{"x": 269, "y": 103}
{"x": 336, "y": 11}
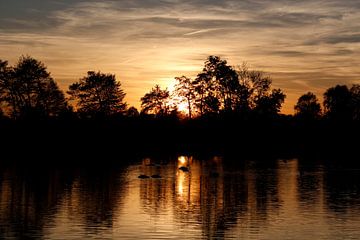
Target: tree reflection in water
{"x": 244, "y": 199}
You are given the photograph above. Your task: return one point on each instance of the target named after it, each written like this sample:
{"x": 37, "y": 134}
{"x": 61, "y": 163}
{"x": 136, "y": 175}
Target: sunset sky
{"x": 306, "y": 45}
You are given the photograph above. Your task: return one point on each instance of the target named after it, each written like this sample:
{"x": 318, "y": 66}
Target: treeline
{"x": 27, "y": 91}
{"x": 226, "y": 108}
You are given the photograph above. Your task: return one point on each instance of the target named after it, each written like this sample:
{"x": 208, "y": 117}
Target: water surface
{"x": 270, "y": 199}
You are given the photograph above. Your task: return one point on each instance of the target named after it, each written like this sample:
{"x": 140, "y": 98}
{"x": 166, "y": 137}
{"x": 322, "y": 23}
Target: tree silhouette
{"x": 156, "y": 101}
{"x": 260, "y": 84}
{"x": 308, "y": 107}
{"x": 4, "y": 71}
{"x": 270, "y": 104}
{"x": 216, "y": 88}
{"x": 244, "y": 91}
{"x": 220, "y": 88}
{"x": 29, "y": 91}
{"x": 224, "y": 81}
{"x": 186, "y": 89}
{"x": 355, "y": 103}
{"x": 338, "y": 103}
{"x": 202, "y": 86}
{"x": 254, "y": 92}
{"x": 211, "y": 104}
{"x": 98, "y": 94}
{"x": 132, "y": 112}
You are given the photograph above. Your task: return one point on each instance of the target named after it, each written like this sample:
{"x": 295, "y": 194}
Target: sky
{"x": 307, "y": 45}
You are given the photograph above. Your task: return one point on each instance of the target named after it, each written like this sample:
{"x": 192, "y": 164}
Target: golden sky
{"x": 305, "y": 45}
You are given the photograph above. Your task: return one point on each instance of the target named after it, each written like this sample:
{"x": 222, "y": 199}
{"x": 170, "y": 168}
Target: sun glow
{"x": 181, "y": 106}
{"x": 180, "y": 183}
{"x": 182, "y": 159}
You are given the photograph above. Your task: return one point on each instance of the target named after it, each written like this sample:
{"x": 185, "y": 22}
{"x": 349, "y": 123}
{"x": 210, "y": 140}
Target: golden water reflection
{"x": 281, "y": 199}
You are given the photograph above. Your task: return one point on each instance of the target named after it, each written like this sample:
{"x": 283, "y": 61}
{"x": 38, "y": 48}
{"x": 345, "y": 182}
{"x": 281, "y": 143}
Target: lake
{"x": 217, "y": 198}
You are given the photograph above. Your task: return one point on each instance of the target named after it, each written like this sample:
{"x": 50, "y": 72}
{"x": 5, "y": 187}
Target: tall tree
{"x": 211, "y": 104}
{"x": 244, "y": 91}
{"x": 308, "y": 107}
{"x": 29, "y": 91}
{"x": 156, "y": 101}
{"x": 98, "y": 94}
{"x": 270, "y": 104}
{"x": 223, "y": 79}
{"x": 3, "y": 78}
{"x": 186, "y": 90}
{"x": 338, "y": 103}
{"x": 221, "y": 88}
{"x": 255, "y": 92}
{"x": 203, "y": 87}
{"x": 355, "y": 101}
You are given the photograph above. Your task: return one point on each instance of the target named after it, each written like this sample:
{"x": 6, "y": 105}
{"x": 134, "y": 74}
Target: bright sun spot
{"x": 182, "y": 159}
{"x": 182, "y": 106}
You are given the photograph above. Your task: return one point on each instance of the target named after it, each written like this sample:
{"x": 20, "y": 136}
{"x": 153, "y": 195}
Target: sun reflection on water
{"x": 182, "y": 160}
{"x": 251, "y": 200}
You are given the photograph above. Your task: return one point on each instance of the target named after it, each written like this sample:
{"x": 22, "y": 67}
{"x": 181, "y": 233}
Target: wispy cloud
{"x": 200, "y": 31}
{"x": 305, "y": 44}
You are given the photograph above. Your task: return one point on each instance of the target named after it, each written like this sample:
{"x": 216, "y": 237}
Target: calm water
{"x": 279, "y": 199}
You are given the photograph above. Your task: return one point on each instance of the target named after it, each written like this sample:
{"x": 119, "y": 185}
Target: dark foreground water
{"x": 271, "y": 199}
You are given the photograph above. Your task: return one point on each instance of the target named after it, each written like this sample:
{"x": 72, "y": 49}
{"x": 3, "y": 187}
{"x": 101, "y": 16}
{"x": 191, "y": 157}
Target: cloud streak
{"x": 149, "y": 41}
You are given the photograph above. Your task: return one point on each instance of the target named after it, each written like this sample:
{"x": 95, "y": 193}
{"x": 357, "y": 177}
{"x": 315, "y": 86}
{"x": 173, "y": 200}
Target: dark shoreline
{"x": 112, "y": 141}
